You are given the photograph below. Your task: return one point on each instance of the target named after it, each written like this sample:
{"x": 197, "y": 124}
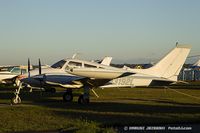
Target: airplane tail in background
{"x": 170, "y": 65}
{"x": 197, "y": 63}
{"x": 106, "y": 61}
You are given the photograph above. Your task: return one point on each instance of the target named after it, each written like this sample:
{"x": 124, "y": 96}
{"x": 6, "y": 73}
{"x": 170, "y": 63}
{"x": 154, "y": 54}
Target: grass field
{"x": 115, "y": 107}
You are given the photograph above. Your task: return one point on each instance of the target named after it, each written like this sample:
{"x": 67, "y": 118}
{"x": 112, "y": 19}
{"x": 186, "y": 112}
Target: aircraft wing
{"x": 79, "y": 77}
{"x": 67, "y": 81}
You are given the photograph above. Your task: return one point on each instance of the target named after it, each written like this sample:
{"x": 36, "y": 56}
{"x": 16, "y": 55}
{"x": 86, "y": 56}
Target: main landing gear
{"x": 68, "y": 96}
{"x": 83, "y": 99}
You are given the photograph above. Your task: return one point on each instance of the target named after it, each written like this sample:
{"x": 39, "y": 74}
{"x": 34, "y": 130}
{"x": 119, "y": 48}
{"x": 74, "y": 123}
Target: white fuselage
{"x": 6, "y": 75}
{"x": 69, "y": 71}
{"x": 164, "y": 72}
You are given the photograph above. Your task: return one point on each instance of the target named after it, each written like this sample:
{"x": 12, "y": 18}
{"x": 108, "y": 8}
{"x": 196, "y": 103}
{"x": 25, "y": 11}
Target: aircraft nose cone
{"x": 20, "y": 77}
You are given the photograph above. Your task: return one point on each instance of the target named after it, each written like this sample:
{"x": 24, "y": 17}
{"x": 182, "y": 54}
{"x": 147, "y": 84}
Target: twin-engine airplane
{"x": 55, "y": 76}
{"x": 74, "y": 73}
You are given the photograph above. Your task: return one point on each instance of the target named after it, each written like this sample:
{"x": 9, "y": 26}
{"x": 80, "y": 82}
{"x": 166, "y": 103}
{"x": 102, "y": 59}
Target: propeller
{"x": 29, "y": 68}
{"x": 40, "y": 68}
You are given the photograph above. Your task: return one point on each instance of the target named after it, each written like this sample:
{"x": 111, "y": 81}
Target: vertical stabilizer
{"x": 106, "y": 61}
{"x": 170, "y": 65}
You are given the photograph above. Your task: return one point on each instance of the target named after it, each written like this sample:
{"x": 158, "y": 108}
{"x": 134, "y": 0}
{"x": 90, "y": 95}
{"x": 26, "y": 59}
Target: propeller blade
{"x": 29, "y": 68}
{"x": 40, "y": 68}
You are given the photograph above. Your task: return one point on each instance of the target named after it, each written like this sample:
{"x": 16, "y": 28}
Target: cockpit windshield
{"x": 16, "y": 70}
{"x": 59, "y": 64}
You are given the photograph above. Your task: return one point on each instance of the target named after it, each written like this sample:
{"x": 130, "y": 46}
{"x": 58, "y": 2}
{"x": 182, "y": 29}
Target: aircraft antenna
{"x": 75, "y": 55}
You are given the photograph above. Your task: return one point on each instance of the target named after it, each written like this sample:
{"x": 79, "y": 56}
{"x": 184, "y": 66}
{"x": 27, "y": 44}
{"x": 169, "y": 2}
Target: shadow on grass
{"x": 54, "y": 100}
{"x": 115, "y": 113}
{"x": 162, "y": 101}
{"x": 108, "y": 113}
{"x": 37, "y": 95}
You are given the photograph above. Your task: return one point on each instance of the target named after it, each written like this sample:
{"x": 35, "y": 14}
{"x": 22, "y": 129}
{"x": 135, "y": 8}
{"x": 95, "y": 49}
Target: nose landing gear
{"x": 17, "y": 99}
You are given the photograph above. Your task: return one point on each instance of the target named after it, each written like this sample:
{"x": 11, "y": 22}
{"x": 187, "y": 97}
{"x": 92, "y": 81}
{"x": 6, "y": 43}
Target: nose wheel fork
{"x": 17, "y": 99}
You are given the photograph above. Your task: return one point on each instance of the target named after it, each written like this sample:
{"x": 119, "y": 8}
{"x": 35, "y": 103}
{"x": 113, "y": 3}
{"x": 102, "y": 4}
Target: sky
{"x": 131, "y": 31}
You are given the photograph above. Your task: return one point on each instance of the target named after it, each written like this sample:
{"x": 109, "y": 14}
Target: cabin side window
{"x": 89, "y": 66}
{"x": 75, "y": 64}
{"x": 23, "y": 71}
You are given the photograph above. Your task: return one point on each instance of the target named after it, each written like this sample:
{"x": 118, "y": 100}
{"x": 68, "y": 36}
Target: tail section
{"x": 170, "y": 65}
{"x": 106, "y": 61}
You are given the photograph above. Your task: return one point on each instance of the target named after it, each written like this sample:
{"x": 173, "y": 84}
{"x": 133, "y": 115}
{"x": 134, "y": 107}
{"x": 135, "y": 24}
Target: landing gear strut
{"x": 68, "y": 96}
{"x": 17, "y": 99}
{"x": 84, "y": 98}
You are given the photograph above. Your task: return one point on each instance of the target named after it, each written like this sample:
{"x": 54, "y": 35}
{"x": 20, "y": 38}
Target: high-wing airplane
{"x": 56, "y": 76}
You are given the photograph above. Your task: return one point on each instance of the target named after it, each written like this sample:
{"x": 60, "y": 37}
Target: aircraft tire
{"x": 53, "y": 90}
{"x": 67, "y": 97}
{"x": 16, "y": 100}
{"x": 82, "y": 100}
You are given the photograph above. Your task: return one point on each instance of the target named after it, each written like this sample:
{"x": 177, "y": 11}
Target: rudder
{"x": 170, "y": 65}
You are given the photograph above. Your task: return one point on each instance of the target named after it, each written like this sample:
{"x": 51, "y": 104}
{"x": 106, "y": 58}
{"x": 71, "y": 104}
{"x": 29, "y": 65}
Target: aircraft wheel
{"x": 67, "y": 97}
{"x": 82, "y": 100}
{"x": 16, "y": 100}
{"x": 53, "y": 90}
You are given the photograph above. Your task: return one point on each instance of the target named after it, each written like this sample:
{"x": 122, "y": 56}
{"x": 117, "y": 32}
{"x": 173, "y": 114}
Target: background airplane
{"x": 7, "y": 74}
